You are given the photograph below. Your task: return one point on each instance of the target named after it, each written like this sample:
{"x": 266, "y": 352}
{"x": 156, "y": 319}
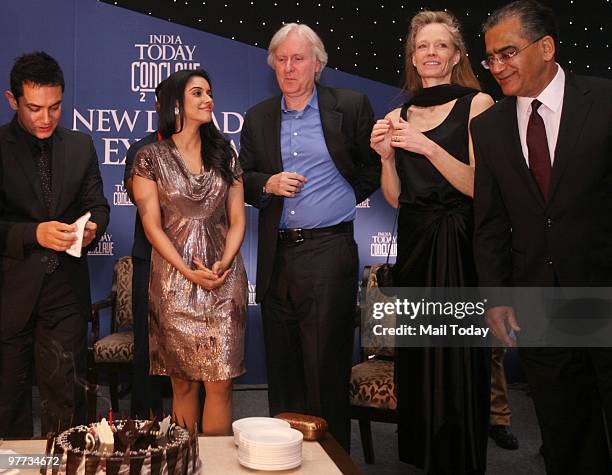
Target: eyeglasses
{"x": 503, "y": 58}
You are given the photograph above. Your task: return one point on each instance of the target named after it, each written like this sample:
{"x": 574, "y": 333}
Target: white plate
{"x": 249, "y": 423}
{"x": 272, "y": 457}
{"x": 270, "y": 461}
{"x": 252, "y": 445}
{"x": 263, "y": 452}
{"x": 276, "y": 437}
{"x": 269, "y": 452}
{"x": 261, "y": 466}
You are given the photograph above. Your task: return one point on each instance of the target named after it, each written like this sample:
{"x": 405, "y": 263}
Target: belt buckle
{"x": 292, "y": 235}
{"x": 299, "y": 235}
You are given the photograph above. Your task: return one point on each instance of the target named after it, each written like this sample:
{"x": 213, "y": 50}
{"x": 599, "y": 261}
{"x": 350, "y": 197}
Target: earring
{"x": 176, "y": 111}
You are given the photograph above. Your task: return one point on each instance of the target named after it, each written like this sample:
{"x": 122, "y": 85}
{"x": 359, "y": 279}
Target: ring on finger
{"x": 396, "y": 138}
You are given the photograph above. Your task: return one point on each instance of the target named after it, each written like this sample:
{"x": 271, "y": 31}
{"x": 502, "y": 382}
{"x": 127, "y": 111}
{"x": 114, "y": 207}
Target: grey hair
{"x": 537, "y": 20}
{"x": 304, "y": 32}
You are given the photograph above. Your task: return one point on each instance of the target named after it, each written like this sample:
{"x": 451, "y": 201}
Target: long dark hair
{"x": 217, "y": 153}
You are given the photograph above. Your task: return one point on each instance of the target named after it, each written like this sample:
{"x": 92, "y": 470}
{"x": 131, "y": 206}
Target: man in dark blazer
{"x": 147, "y": 389}
{"x": 49, "y": 177}
{"x": 307, "y": 162}
{"x": 543, "y": 202}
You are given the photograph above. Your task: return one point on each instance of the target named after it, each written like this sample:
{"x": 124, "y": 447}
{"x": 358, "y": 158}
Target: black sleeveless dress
{"x": 443, "y": 393}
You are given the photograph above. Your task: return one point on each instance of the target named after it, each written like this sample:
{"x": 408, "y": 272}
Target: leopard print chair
{"x": 113, "y": 353}
{"x": 372, "y": 390}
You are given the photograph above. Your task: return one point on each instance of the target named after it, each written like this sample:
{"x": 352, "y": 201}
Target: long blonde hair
{"x": 462, "y": 73}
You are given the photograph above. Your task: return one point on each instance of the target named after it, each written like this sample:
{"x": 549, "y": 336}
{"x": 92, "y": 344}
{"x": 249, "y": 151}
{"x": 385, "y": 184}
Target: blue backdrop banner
{"x": 112, "y": 60}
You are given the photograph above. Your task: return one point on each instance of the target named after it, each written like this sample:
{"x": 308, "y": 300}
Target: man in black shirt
{"x": 146, "y": 389}
{"x": 49, "y": 177}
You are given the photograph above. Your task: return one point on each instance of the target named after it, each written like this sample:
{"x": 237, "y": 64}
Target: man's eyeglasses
{"x": 503, "y": 58}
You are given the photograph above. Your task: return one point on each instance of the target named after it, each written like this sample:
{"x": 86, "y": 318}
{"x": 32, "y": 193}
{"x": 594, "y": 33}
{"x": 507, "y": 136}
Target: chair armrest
{"x": 107, "y": 302}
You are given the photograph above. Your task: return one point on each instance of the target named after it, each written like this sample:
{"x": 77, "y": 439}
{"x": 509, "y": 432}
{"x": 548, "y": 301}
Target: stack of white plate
{"x": 270, "y": 449}
{"x": 256, "y": 423}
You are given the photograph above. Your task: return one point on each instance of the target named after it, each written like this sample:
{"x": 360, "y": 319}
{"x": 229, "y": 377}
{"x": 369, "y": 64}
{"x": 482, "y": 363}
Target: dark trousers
{"x": 572, "y": 393}
{"x": 307, "y": 317}
{"x": 146, "y": 389}
{"x": 53, "y": 341}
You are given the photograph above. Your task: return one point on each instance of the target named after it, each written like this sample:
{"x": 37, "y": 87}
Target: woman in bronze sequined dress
{"x": 189, "y": 193}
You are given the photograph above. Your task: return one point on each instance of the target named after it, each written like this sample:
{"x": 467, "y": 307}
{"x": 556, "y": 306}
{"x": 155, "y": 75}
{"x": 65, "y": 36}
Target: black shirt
{"x": 34, "y": 143}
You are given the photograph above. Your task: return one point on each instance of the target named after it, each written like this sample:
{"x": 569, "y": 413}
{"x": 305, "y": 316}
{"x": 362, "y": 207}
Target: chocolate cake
{"x": 125, "y": 447}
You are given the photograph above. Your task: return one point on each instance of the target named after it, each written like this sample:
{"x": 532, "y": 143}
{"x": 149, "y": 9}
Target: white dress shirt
{"x": 550, "y": 111}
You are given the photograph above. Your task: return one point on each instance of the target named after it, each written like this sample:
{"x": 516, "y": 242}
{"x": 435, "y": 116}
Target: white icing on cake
{"x": 106, "y": 437}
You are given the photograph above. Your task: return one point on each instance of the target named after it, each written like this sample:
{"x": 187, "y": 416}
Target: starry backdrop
{"x": 366, "y": 38}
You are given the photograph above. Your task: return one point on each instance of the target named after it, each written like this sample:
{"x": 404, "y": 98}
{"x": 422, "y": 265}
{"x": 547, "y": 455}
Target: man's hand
{"x": 90, "y": 233}
{"x": 55, "y": 235}
{"x": 285, "y": 184}
{"x": 501, "y": 320}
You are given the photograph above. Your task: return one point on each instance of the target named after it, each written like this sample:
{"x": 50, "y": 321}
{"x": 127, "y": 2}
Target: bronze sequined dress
{"x": 194, "y": 334}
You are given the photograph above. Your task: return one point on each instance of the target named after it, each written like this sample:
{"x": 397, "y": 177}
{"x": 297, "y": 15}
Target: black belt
{"x": 298, "y": 235}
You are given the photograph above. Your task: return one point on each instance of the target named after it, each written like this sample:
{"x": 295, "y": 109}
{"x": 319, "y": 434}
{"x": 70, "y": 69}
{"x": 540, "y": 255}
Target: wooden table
{"x": 219, "y": 456}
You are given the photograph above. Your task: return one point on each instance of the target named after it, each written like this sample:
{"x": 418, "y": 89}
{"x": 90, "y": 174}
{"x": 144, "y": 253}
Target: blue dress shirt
{"x": 327, "y": 198}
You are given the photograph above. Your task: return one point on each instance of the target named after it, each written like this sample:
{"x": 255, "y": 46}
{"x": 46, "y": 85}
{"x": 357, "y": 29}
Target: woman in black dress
{"x": 428, "y": 172}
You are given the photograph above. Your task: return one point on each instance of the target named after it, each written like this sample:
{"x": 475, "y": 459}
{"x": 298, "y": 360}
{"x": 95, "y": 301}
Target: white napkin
{"x": 8, "y": 471}
{"x": 75, "y": 249}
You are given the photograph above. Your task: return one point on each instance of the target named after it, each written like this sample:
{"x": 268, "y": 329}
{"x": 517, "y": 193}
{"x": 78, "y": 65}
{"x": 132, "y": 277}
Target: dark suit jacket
{"x": 141, "y": 247}
{"x": 76, "y": 189}
{"x": 347, "y": 121}
{"x": 522, "y": 239}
